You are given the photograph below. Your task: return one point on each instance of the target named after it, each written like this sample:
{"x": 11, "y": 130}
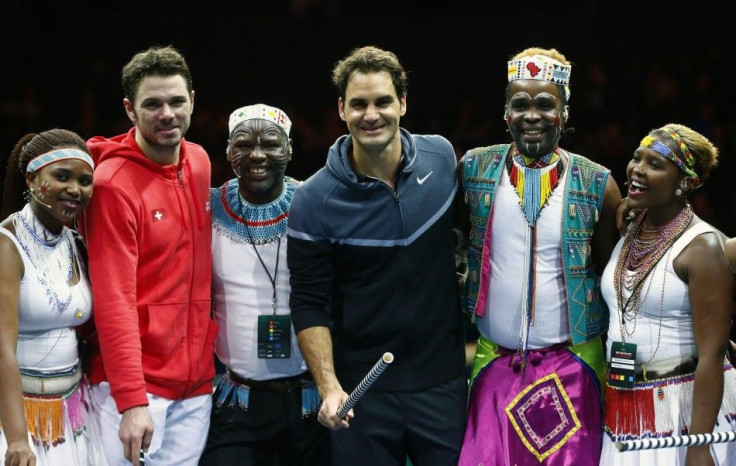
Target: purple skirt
{"x": 549, "y": 413}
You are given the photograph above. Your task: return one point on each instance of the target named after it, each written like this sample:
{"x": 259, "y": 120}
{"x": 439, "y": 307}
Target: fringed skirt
{"x": 61, "y": 430}
{"x": 230, "y": 393}
{"x": 662, "y": 407}
{"x": 548, "y": 413}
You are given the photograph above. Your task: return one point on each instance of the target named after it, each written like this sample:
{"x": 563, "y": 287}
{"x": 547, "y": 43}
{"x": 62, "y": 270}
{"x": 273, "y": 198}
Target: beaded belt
{"x": 281, "y": 385}
{"x": 37, "y": 383}
{"x": 666, "y": 368}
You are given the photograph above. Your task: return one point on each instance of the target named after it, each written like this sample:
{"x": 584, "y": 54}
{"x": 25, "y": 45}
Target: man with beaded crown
{"x": 540, "y": 226}
{"x": 266, "y": 383}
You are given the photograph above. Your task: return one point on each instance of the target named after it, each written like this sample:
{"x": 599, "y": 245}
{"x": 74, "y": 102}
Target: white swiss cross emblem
{"x": 158, "y": 215}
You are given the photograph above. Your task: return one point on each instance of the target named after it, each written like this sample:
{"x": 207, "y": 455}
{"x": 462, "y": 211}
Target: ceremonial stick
{"x": 676, "y": 441}
{"x": 366, "y": 383}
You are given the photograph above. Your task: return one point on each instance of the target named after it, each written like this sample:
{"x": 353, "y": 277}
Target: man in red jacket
{"x": 148, "y": 232}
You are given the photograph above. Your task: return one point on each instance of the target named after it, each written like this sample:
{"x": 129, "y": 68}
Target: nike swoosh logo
{"x": 424, "y": 178}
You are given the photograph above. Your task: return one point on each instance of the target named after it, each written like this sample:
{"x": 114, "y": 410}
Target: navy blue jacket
{"x": 377, "y": 265}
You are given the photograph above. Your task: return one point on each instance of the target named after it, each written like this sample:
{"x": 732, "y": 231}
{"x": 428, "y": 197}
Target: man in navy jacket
{"x": 370, "y": 251}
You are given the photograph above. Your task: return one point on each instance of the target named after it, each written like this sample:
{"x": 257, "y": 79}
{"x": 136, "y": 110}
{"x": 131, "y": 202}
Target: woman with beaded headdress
{"x": 44, "y": 296}
{"x": 668, "y": 287}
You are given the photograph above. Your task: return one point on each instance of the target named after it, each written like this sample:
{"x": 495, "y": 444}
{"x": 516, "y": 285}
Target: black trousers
{"x": 427, "y": 426}
{"x": 271, "y": 432}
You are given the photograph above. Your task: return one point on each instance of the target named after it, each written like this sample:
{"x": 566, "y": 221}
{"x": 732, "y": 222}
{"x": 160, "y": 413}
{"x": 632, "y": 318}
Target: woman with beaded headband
{"x": 44, "y": 297}
{"x": 668, "y": 287}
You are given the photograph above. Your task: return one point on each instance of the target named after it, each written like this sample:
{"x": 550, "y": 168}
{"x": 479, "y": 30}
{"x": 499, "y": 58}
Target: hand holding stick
{"x": 365, "y": 384}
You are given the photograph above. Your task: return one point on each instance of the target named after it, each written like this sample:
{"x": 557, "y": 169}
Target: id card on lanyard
{"x": 622, "y": 367}
{"x": 274, "y": 337}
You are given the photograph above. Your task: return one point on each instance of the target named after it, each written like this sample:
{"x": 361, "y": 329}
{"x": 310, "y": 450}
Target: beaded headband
{"x": 540, "y": 68}
{"x": 59, "y": 154}
{"x": 685, "y": 165}
{"x": 689, "y": 159}
{"x": 262, "y": 112}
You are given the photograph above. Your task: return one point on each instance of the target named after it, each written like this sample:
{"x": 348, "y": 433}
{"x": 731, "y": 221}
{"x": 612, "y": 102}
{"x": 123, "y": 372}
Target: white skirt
{"x": 64, "y": 431}
{"x": 672, "y": 406}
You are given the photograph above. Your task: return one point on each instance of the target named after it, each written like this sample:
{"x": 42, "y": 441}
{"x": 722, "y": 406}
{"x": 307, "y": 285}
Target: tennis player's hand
{"x": 136, "y": 432}
{"x": 328, "y": 412}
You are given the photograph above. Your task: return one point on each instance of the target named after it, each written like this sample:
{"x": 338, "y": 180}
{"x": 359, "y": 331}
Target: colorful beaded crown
{"x": 259, "y": 111}
{"x": 541, "y": 68}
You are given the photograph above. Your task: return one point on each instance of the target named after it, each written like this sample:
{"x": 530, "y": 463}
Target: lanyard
{"x": 272, "y": 279}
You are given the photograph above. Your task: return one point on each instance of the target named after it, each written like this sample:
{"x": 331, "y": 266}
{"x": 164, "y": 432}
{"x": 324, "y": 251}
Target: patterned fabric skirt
{"x": 547, "y": 413}
{"x": 662, "y": 408}
{"x": 61, "y": 430}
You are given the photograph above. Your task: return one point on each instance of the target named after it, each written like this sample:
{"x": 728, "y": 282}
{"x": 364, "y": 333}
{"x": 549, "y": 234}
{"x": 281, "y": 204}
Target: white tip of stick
{"x": 619, "y": 446}
{"x": 387, "y": 357}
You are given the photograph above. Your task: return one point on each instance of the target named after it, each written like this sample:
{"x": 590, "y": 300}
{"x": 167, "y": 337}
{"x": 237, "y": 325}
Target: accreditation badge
{"x": 274, "y": 337}
{"x": 622, "y": 365}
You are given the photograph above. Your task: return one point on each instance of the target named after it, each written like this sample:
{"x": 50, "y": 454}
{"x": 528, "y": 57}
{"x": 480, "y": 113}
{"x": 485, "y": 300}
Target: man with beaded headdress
{"x": 265, "y": 405}
{"x": 540, "y": 227}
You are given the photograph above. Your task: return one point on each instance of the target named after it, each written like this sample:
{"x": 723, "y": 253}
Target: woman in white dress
{"x": 668, "y": 287}
{"x": 44, "y": 297}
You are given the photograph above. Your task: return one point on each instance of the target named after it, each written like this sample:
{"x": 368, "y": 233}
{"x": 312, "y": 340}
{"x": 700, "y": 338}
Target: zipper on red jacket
{"x": 192, "y": 232}
{"x": 188, "y": 221}
{"x": 182, "y": 206}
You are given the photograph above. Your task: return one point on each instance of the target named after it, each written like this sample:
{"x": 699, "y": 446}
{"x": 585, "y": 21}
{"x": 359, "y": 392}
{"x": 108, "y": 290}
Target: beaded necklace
{"x": 641, "y": 251}
{"x": 51, "y": 255}
{"x": 534, "y": 180}
{"x": 244, "y": 222}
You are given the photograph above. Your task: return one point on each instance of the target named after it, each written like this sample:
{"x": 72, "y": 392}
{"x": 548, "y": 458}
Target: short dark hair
{"x": 155, "y": 61}
{"x": 370, "y": 59}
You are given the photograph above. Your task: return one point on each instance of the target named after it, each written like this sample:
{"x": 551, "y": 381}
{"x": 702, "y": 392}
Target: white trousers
{"x": 179, "y": 428}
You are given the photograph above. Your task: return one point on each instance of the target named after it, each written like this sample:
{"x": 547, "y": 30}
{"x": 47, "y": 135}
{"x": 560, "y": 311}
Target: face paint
{"x": 63, "y": 189}
{"x": 68, "y": 212}
{"x": 43, "y": 189}
{"x": 259, "y": 151}
{"x": 533, "y": 117}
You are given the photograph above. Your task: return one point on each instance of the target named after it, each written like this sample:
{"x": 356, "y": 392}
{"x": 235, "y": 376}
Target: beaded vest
{"x": 583, "y": 198}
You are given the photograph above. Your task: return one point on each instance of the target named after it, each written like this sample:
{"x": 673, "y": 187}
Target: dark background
{"x": 637, "y": 66}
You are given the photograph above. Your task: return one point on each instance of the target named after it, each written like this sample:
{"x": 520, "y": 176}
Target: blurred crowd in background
{"x": 635, "y": 67}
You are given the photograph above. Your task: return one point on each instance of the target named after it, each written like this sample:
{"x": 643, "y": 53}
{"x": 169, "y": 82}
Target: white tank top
{"x": 676, "y": 337}
{"x": 47, "y": 340}
{"x": 506, "y": 294}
